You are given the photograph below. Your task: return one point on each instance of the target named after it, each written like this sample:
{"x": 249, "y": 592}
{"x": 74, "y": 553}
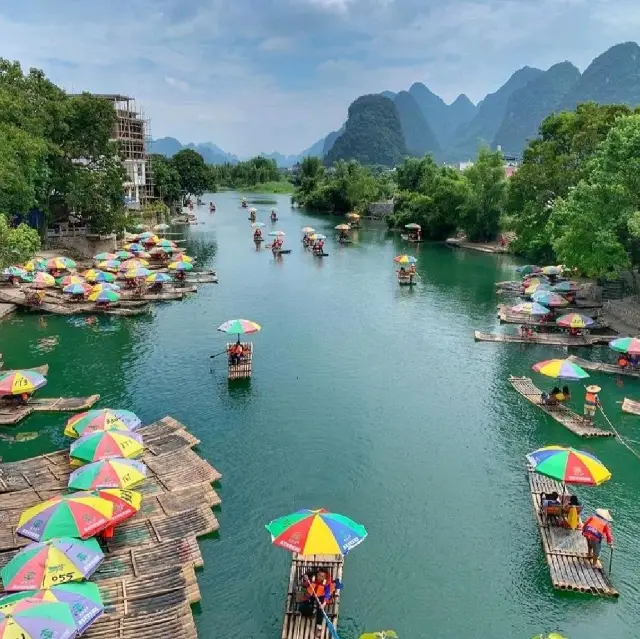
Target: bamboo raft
{"x": 566, "y": 550}
{"x": 631, "y": 406}
{"x": 601, "y": 367}
{"x": 577, "y": 424}
{"x": 506, "y": 316}
{"x": 406, "y": 281}
{"x": 43, "y": 370}
{"x": 205, "y": 278}
{"x": 244, "y": 368}
{"x": 551, "y": 339}
{"x": 13, "y": 413}
{"x": 296, "y": 626}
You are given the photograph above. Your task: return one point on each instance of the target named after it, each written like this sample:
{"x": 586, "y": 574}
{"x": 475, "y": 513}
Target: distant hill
{"x": 529, "y": 105}
{"x": 165, "y": 146}
{"x": 418, "y": 135}
{"x": 330, "y": 140}
{"x": 211, "y": 153}
{"x": 372, "y": 134}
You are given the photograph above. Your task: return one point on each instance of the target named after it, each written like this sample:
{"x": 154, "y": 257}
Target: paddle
{"x": 610, "y": 558}
{"x": 216, "y": 355}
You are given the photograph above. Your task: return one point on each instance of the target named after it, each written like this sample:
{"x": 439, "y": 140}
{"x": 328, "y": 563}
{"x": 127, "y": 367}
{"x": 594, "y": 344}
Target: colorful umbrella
{"x": 60, "y": 264}
{"x": 317, "y": 236}
{"x": 530, "y": 308}
{"x": 126, "y": 503}
{"x": 149, "y": 240}
{"x": 104, "y": 296}
{"x": 527, "y": 269}
{"x": 108, "y": 473}
{"x": 67, "y": 280}
{"x": 158, "y": 250}
{"x": 104, "y": 257}
{"x": 277, "y": 233}
{"x": 166, "y": 244}
{"x": 569, "y": 466}
{"x": 182, "y": 258}
{"x": 342, "y": 227}
{"x": 106, "y": 445}
{"x": 146, "y": 235}
{"x": 123, "y": 255}
{"x": 36, "y": 264}
{"x": 109, "y": 265}
{"x": 77, "y": 289}
{"x": 49, "y": 563}
{"x": 143, "y": 255}
{"x": 181, "y": 266}
{"x": 560, "y": 369}
{"x": 43, "y": 280}
{"x": 413, "y": 226}
{"x": 138, "y": 272}
{"x": 308, "y": 229}
{"x": 134, "y": 247}
{"x": 158, "y": 278}
{"x": 104, "y": 286}
{"x": 549, "y": 298}
{"x": 316, "y": 532}
{"x": 575, "y": 320}
{"x": 405, "y": 259}
{"x": 33, "y": 619}
{"x": 73, "y": 515}
{"x": 536, "y": 286}
{"x": 565, "y": 287}
{"x": 629, "y": 345}
{"x": 83, "y": 599}
{"x": 240, "y": 327}
{"x": 129, "y": 265}
{"x": 552, "y": 270}
{"x": 161, "y": 227}
{"x": 95, "y": 275}
{"x": 257, "y": 225}
{"x": 14, "y": 271}
{"x": 101, "y": 419}
{"x": 18, "y": 382}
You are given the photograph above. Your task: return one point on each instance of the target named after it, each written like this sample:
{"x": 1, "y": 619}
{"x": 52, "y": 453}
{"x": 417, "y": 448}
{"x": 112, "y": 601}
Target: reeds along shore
{"x": 148, "y": 578}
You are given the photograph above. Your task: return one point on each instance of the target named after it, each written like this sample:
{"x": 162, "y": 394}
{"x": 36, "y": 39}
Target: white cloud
{"x": 177, "y": 84}
{"x": 276, "y": 44}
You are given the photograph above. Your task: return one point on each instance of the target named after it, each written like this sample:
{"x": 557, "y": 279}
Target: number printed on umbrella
{"x": 62, "y": 578}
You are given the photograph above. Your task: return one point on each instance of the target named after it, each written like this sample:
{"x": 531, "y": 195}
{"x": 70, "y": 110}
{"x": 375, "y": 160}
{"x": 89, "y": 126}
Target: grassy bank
{"x": 281, "y": 186}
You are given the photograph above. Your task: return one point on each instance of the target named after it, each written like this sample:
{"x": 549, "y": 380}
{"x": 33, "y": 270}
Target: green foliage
{"x": 372, "y": 135}
{"x": 166, "y": 179}
{"x": 246, "y": 175}
{"x": 17, "y": 245}
{"x": 486, "y": 197}
{"x": 157, "y": 210}
{"x": 418, "y": 135}
{"x": 194, "y": 174}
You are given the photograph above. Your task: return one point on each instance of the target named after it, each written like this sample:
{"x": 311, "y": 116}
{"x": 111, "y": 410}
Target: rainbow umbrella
{"x": 134, "y": 263}
{"x": 123, "y": 255}
{"x": 146, "y": 235}
{"x": 182, "y": 258}
{"x": 316, "y": 532}
{"x": 75, "y": 515}
{"x": 181, "y": 266}
{"x": 257, "y": 225}
{"x": 67, "y": 280}
{"x": 83, "y": 599}
{"x": 158, "y": 278}
{"x": 527, "y": 269}
{"x": 309, "y": 229}
{"x": 104, "y": 257}
{"x": 629, "y": 345}
{"x": 126, "y": 503}
{"x": 560, "y": 369}
{"x": 569, "y": 465}
{"x": 134, "y": 247}
{"x": 277, "y": 233}
{"x": 14, "y": 271}
{"x": 565, "y": 287}
{"x": 104, "y": 296}
{"x": 108, "y": 473}
{"x": 101, "y": 419}
{"x": 575, "y": 320}
{"x": 536, "y": 287}
{"x": 34, "y": 619}
{"x": 549, "y": 298}
{"x": 60, "y": 264}
{"x": 109, "y": 265}
{"x": 405, "y": 259}
{"x": 106, "y": 445}
{"x": 143, "y": 255}
{"x": 104, "y": 286}
{"x": 316, "y": 236}
{"x": 36, "y": 264}
{"x": 166, "y": 244}
{"x": 240, "y": 327}
{"x": 162, "y": 250}
{"x": 43, "y": 280}
{"x": 149, "y": 239}
{"x": 552, "y": 270}
{"x": 413, "y": 226}
{"x": 530, "y": 308}
{"x": 77, "y": 289}
{"x": 18, "y": 382}
{"x": 138, "y": 272}
{"x": 95, "y": 275}
{"x": 48, "y": 563}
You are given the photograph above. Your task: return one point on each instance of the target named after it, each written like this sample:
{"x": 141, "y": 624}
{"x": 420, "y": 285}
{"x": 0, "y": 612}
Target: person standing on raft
{"x": 593, "y": 530}
{"x": 591, "y": 402}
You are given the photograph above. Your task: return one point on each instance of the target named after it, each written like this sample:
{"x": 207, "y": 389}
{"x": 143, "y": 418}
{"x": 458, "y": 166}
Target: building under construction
{"x": 132, "y": 133}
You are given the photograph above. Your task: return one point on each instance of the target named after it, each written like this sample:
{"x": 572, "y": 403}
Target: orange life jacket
{"x": 591, "y": 399}
{"x": 594, "y": 528}
{"x": 321, "y": 589}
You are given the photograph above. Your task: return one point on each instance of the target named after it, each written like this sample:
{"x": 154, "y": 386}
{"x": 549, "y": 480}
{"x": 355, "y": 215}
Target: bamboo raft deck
{"x": 147, "y": 580}
{"x": 506, "y": 316}
{"x": 295, "y": 626}
{"x": 244, "y": 368}
{"x": 631, "y": 406}
{"x": 43, "y": 370}
{"x": 577, "y": 424}
{"x": 566, "y": 550}
{"x": 13, "y": 413}
{"x": 551, "y": 339}
{"x": 602, "y": 367}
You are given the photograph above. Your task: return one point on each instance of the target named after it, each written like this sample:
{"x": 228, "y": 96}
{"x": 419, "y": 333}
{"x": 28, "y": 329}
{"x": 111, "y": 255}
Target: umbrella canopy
{"x": 257, "y": 225}
{"x": 104, "y": 286}
{"x": 552, "y": 270}
{"x": 105, "y": 295}
{"x": 34, "y": 619}
{"x": 14, "y": 271}
{"x": 530, "y": 308}
{"x": 143, "y": 255}
{"x": 629, "y": 345}
{"x": 109, "y": 265}
{"x": 342, "y": 227}
{"x": 536, "y": 286}
{"x": 101, "y": 419}
{"x": 134, "y": 247}
{"x": 126, "y": 503}
{"x": 316, "y": 532}
{"x": 560, "y": 369}
{"x": 43, "y": 280}
{"x": 565, "y": 287}
{"x": 108, "y": 473}
{"x": 134, "y": 263}
{"x": 405, "y": 259}
{"x": 413, "y": 226}
{"x": 146, "y": 235}
{"x": 353, "y": 216}
{"x": 240, "y": 327}
{"x": 83, "y": 599}
{"x": 36, "y": 264}
{"x": 60, "y": 264}
{"x": 67, "y": 280}
{"x": 138, "y": 272}
{"x": 575, "y": 320}
{"x": 317, "y": 236}
{"x": 569, "y": 465}
{"x": 182, "y": 258}
{"x": 161, "y": 250}
{"x": 252, "y": 210}
{"x": 309, "y": 229}
{"x": 123, "y": 255}
{"x": 142, "y": 227}
{"x": 45, "y": 564}
{"x": 277, "y": 233}
{"x": 75, "y": 515}
{"x": 161, "y": 227}
{"x": 77, "y": 289}
{"x": 158, "y": 278}
{"x": 106, "y": 445}
{"x": 95, "y": 275}
{"x": 149, "y": 240}
{"x": 549, "y": 298}
{"x": 166, "y": 244}
{"x": 181, "y": 266}
{"x": 18, "y": 382}
{"x": 527, "y": 269}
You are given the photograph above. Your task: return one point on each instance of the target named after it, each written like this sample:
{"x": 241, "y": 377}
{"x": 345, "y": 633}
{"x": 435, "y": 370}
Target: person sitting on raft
{"x": 277, "y": 244}
{"x": 274, "y": 216}
{"x": 257, "y": 234}
{"x": 319, "y": 247}
{"x": 235, "y": 353}
{"x": 343, "y": 236}
{"x": 412, "y": 269}
{"x": 319, "y": 590}
{"x": 623, "y": 362}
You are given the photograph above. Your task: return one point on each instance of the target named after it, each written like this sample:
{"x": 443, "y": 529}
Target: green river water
{"x": 368, "y": 399}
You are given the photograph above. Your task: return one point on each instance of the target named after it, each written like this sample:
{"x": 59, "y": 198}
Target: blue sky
{"x": 262, "y": 75}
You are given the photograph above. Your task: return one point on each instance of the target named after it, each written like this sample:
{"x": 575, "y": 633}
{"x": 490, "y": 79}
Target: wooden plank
{"x": 244, "y": 368}
{"x": 602, "y": 367}
{"x": 631, "y": 406}
{"x": 577, "y": 424}
{"x": 550, "y": 339}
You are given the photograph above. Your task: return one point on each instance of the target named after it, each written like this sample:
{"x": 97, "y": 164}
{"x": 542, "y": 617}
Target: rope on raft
{"x": 622, "y": 440}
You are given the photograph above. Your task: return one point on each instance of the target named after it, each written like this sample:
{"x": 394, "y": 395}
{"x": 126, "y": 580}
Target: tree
{"x": 166, "y": 179}
{"x": 486, "y": 195}
{"x": 17, "y": 245}
{"x": 191, "y": 169}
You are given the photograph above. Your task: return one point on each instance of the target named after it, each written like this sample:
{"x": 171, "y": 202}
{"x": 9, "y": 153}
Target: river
{"x": 368, "y": 399}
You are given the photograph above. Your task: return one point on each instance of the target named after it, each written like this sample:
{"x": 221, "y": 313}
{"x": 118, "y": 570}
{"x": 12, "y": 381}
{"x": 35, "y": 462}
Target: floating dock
{"x": 601, "y": 367}
{"x": 565, "y": 549}
{"x": 13, "y": 413}
{"x": 551, "y": 339}
{"x": 577, "y": 424}
{"x": 296, "y": 626}
{"x": 244, "y": 368}
{"x": 506, "y": 316}
{"x": 147, "y": 579}
{"x": 630, "y": 406}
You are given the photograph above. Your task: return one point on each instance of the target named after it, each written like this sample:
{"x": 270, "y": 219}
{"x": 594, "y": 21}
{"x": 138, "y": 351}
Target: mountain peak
{"x": 415, "y": 128}
{"x": 462, "y": 101}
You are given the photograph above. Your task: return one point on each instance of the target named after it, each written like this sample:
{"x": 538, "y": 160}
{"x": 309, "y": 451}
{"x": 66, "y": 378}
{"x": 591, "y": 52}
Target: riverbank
{"x": 281, "y": 187}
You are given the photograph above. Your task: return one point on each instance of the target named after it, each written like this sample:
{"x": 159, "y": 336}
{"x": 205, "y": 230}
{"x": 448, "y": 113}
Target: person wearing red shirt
{"x": 597, "y": 527}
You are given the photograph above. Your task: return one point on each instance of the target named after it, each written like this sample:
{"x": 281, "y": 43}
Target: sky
{"x": 277, "y": 75}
